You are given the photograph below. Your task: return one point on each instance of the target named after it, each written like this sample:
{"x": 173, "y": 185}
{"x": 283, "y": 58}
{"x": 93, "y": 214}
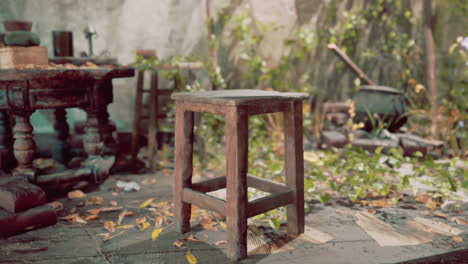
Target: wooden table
{"x": 22, "y": 91}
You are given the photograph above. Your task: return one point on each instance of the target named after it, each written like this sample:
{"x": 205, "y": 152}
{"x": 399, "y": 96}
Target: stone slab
{"x": 19, "y": 195}
{"x": 11, "y": 223}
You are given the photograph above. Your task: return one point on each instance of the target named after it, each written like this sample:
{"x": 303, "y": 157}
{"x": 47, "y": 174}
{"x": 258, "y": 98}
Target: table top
{"x": 238, "y": 97}
{"x": 70, "y": 74}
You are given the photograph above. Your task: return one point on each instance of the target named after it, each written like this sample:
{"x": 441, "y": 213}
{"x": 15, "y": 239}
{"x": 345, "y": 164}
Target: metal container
{"x": 63, "y": 43}
{"x": 379, "y": 104}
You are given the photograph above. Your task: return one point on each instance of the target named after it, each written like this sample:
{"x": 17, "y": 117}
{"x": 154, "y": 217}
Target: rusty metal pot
{"x": 380, "y": 104}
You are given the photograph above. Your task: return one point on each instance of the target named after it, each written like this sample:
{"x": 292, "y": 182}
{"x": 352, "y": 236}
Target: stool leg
{"x": 236, "y": 165}
{"x": 183, "y": 166}
{"x": 294, "y": 167}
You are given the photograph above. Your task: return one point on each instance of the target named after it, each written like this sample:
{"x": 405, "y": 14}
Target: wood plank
{"x": 265, "y": 185}
{"x": 266, "y": 108}
{"x": 270, "y": 202}
{"x": 236, "y": 166}
{"x": 204, "y": 201}
{"x": 210, "y": 185}
{"x": 205, "y": 108}
{"x": 315, "y": 236}
{"x": 13, "y": 57}
{"x": 183, "y": 165}
{"x": 294, "y": 166}
{"x": 386, "y": 235}
{"x": 437, "y": 227}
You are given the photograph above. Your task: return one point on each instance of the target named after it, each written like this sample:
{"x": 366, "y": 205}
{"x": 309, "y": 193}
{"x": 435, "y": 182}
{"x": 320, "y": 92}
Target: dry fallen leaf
{"x": 190, "y": 258}
{"x": 459, "y": 220}
{"x": 68, "y": 217}
{"x": 217, "y": 243}
{"x": 457, "y": 239}
{"x": 109, "y": 226}
{"x": 180, "y": 243}
{"x": 76, "y": 194}
{"x": 110, "y": 237}
{"x": 431, "y": 204}
{"x": 146, "y": 203}
{"x": 79, "y": 220}
{"x": 56, "y": 205}
{"x": 94, "y": 211}
{"x": 74, "y": 218}
{"x": 371, "y": 211}
{"x": 144, "y": 226}
{"x": 94, "y": 200}
{"x": 140, "y": 221}
{"x": 125, "y": 227}
{"x": 91, "y": 217}
{"x": 122, "y": 215}
{"x": 155, "y": 233}
{"x": 113, "y": 203}
{"x": 193, "y": 239}
{"x": 223, "y": 225}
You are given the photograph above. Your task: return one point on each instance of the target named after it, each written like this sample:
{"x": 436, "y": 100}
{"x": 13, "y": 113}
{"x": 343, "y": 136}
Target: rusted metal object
{"x": 236, "y": 106}
{"x": 22, "y": 91}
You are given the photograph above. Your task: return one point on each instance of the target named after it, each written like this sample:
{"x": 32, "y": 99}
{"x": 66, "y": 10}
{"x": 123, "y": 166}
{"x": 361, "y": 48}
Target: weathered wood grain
{"x": 236, "y": 166}
{"x": 183, "y": 165}
{"x": 294, "y": 166}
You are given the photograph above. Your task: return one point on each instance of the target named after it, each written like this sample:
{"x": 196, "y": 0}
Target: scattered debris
{"x": 109, "y": 226}
{"x": 76, "y": 194}
{"x": 144, "y": 226}
{"x": 58, "y": 206}
{"x": 459, "y": 220}
{"x": 180, "y": 243}
{"x": 128, "y": 186}
{"x": 437, "y": 227}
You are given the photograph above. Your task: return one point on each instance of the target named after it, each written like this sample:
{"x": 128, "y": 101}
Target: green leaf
{"x": 465, "y": 184}
{"x": 274, "y": 223}
{"x": 379, "y": 149}
{"x": 325, "y": 197}
{"x": 362, "y": 191}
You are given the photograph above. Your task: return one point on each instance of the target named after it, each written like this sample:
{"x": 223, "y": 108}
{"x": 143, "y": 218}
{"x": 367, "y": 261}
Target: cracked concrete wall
{"x": 172, "y": 27}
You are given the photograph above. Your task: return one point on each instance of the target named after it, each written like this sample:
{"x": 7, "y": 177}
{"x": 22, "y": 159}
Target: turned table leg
{"x": 24, "y": 147}
{"x": 5, "y": 142}
{"x": 92, "y": 140}
{"x": 62, "y": 150}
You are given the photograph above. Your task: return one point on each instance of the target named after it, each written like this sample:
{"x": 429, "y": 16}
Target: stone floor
{"x": 69, "y": 242}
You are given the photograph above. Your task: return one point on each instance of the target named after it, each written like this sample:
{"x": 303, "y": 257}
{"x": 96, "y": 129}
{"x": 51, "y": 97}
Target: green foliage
{"x": 355, "y": 174}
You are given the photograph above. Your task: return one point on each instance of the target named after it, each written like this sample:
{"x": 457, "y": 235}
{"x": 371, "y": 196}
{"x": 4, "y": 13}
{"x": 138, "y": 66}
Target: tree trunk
{"x": 431, "y": 67}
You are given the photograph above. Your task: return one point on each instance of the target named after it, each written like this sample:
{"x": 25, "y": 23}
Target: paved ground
{"x": 69, "y": 242}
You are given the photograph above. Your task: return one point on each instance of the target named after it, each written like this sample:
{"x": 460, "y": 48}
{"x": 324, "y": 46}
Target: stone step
{"x": 11, "y": 223}
{"x": 19, "y": 195}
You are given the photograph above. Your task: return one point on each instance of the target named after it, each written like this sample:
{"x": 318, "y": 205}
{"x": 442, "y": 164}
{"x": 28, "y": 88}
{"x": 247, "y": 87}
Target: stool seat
{"x": 236, "y": 106}
{"x": 238, "y": 97}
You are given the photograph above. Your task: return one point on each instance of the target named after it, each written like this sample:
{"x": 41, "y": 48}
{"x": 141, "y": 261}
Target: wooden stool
{"x": 237, "y": 106}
